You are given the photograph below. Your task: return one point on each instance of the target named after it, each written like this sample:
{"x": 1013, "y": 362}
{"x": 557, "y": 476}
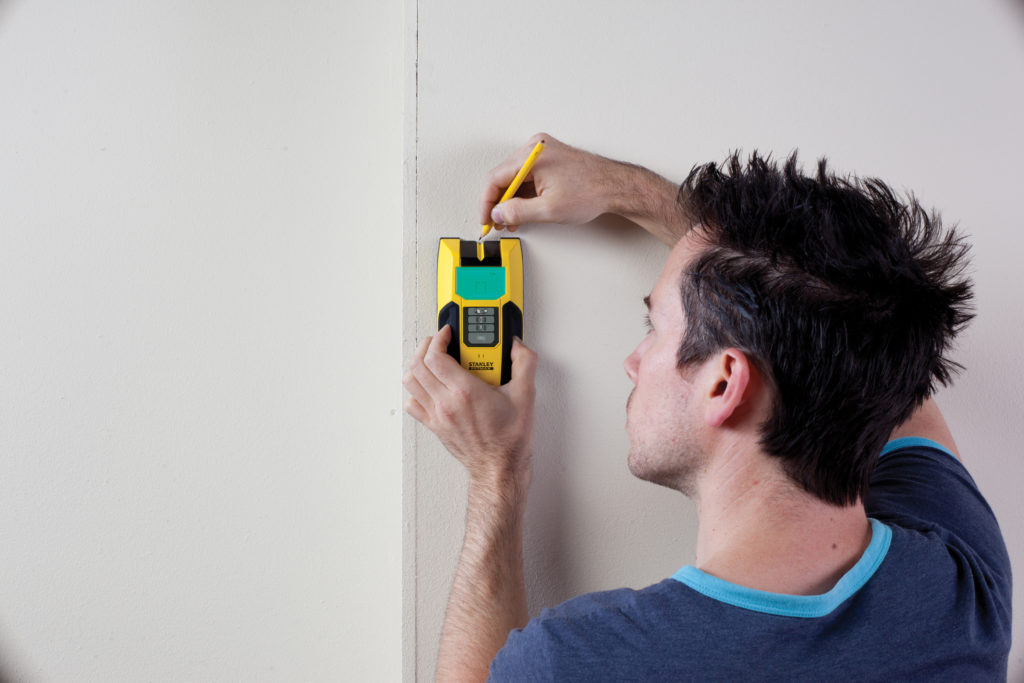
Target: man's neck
{"x": 758, "y": 530}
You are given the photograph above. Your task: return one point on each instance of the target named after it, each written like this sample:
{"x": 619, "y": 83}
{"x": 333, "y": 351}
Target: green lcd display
{"x": 480, "y": 283}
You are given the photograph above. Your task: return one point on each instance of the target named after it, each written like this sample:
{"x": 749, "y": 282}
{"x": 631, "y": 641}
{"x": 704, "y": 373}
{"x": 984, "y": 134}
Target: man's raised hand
{"x": 566, "y": 185}
{"x": 570, "y": 186}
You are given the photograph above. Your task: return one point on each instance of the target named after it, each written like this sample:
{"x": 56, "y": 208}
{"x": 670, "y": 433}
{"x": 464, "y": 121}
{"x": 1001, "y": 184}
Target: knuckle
{"x": 445, "y": 411}
{"x": 460, "y": 395}
{"x": 416, "y": 411}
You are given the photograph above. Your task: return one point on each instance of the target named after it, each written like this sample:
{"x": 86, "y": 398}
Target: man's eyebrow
{"x": 647, "y": 301}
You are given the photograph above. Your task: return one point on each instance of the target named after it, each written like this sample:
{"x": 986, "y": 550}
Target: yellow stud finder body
{"x": 480, "y": 294}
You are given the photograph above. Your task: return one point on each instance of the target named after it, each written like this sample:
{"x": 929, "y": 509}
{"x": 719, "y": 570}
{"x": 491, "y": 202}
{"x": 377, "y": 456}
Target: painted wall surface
{"x": 924, "y": 95}
{"x": 200, "y": 340}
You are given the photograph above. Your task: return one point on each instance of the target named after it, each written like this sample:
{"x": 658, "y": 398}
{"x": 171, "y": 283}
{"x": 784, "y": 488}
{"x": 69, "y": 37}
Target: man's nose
{"x": 631, "y": 363}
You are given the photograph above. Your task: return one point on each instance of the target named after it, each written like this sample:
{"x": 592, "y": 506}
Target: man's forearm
{"x": 488, "y": 596}
{"x": 650, "y": 201}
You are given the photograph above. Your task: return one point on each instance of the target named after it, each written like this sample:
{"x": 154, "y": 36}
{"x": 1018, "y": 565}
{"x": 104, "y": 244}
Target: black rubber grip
{"x": 511, "y": 326}
{"x": 449, "y": 315}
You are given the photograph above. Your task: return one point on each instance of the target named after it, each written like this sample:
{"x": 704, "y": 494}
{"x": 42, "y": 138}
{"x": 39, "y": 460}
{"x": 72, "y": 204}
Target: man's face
{"x": 662, "y": 417}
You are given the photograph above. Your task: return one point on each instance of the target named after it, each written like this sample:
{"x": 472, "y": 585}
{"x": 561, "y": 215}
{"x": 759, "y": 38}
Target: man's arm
{"x": 927, "y": 422}
{"x": 489, "y": 430}
{"x": 569, "y": 185}
{"x": 488, "y": 596}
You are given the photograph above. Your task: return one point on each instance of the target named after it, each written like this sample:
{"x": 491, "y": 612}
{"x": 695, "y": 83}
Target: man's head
{"x": 827, "y": 294}
{"x": 660, "y": 417}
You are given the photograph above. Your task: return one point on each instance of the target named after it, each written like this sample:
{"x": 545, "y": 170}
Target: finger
{"x": 546, "y": 138}
{"x": 431, "y": 384}
{"x": 498, "y": 180}
{"x": 519, "y": 210}
{"x": 501, "y": 176}
{"x": 417, "y": 355}
{"x": 524, "y": 365}
{"x": 419, "y": 394}
{"x": 444, "y": 367}
{"x": 413, "y": 407}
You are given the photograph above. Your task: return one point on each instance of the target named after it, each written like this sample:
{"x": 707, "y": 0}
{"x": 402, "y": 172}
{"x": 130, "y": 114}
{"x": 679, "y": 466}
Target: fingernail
{"x": 496, "y": 216}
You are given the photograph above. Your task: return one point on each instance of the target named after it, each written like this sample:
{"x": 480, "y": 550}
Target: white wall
{"x": 925, "y": 95}
{"x": 200, "y": 340}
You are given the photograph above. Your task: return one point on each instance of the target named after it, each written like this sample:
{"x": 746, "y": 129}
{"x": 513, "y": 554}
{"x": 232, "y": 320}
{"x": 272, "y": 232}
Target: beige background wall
{"x": 200, "y": 348}
{"x": 200, "y": 340}
{"x": 925, "y": 95}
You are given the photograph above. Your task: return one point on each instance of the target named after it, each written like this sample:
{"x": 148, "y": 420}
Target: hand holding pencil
{"x": 516, "y": 182}
{"x": 570, "y": 187}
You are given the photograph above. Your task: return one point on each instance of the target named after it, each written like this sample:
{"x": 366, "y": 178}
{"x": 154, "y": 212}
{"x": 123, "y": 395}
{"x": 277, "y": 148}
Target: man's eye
{"x": 647, "y": 322}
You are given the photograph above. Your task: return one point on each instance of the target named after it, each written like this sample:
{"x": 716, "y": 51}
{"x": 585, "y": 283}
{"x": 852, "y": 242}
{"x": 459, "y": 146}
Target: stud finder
{"x": 480, "y": 294}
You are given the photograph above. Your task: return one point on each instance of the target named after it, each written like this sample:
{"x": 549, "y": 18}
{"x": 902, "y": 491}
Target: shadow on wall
{"x": 9, "y": 659}
{"x": 5, "y": 6}
{"x": 5, "y": 674}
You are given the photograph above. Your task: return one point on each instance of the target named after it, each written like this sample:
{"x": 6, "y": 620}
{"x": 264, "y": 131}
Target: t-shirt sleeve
{"x": 524, "y": 657}
{"x": 920, "y": 485}
{"x": 586, "y": 638}
{"x": 550, "y": 648}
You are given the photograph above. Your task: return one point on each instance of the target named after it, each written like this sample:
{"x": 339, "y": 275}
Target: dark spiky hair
{"x": 845, "y": 297}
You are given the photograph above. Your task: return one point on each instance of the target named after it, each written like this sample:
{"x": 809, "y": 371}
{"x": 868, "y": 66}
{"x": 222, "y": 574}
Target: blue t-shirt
{"x": 929, "y": 600}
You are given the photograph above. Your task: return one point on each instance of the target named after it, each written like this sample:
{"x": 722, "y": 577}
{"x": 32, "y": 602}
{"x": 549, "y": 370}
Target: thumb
{"x": 524, "y": 365}
{"x": 519, "y": 210}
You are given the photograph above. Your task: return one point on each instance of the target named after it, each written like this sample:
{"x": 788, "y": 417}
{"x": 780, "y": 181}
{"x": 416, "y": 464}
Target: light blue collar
{"x": 786, "y": 605}
{"x": 914, "y": 442}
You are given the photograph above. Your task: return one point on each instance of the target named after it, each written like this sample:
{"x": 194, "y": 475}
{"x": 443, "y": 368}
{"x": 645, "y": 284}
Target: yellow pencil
{"x": 517, "y": 181}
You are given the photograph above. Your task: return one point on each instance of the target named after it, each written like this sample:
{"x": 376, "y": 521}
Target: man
{"x": 797, "y": 333}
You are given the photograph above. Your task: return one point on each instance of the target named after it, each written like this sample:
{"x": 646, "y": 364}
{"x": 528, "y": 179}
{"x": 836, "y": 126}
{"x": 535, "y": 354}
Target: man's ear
{"x": 728, "y": 384}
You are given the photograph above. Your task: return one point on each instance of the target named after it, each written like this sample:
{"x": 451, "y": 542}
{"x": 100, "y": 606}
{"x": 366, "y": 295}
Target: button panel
{"x": 481, "y": 325}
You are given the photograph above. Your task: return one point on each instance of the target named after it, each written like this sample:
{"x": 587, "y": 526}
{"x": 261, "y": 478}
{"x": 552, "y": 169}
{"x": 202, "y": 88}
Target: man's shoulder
{"x": 594, "y": 631}
{"x": 921, "y": 486}
{"x": 609, "y": 604}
